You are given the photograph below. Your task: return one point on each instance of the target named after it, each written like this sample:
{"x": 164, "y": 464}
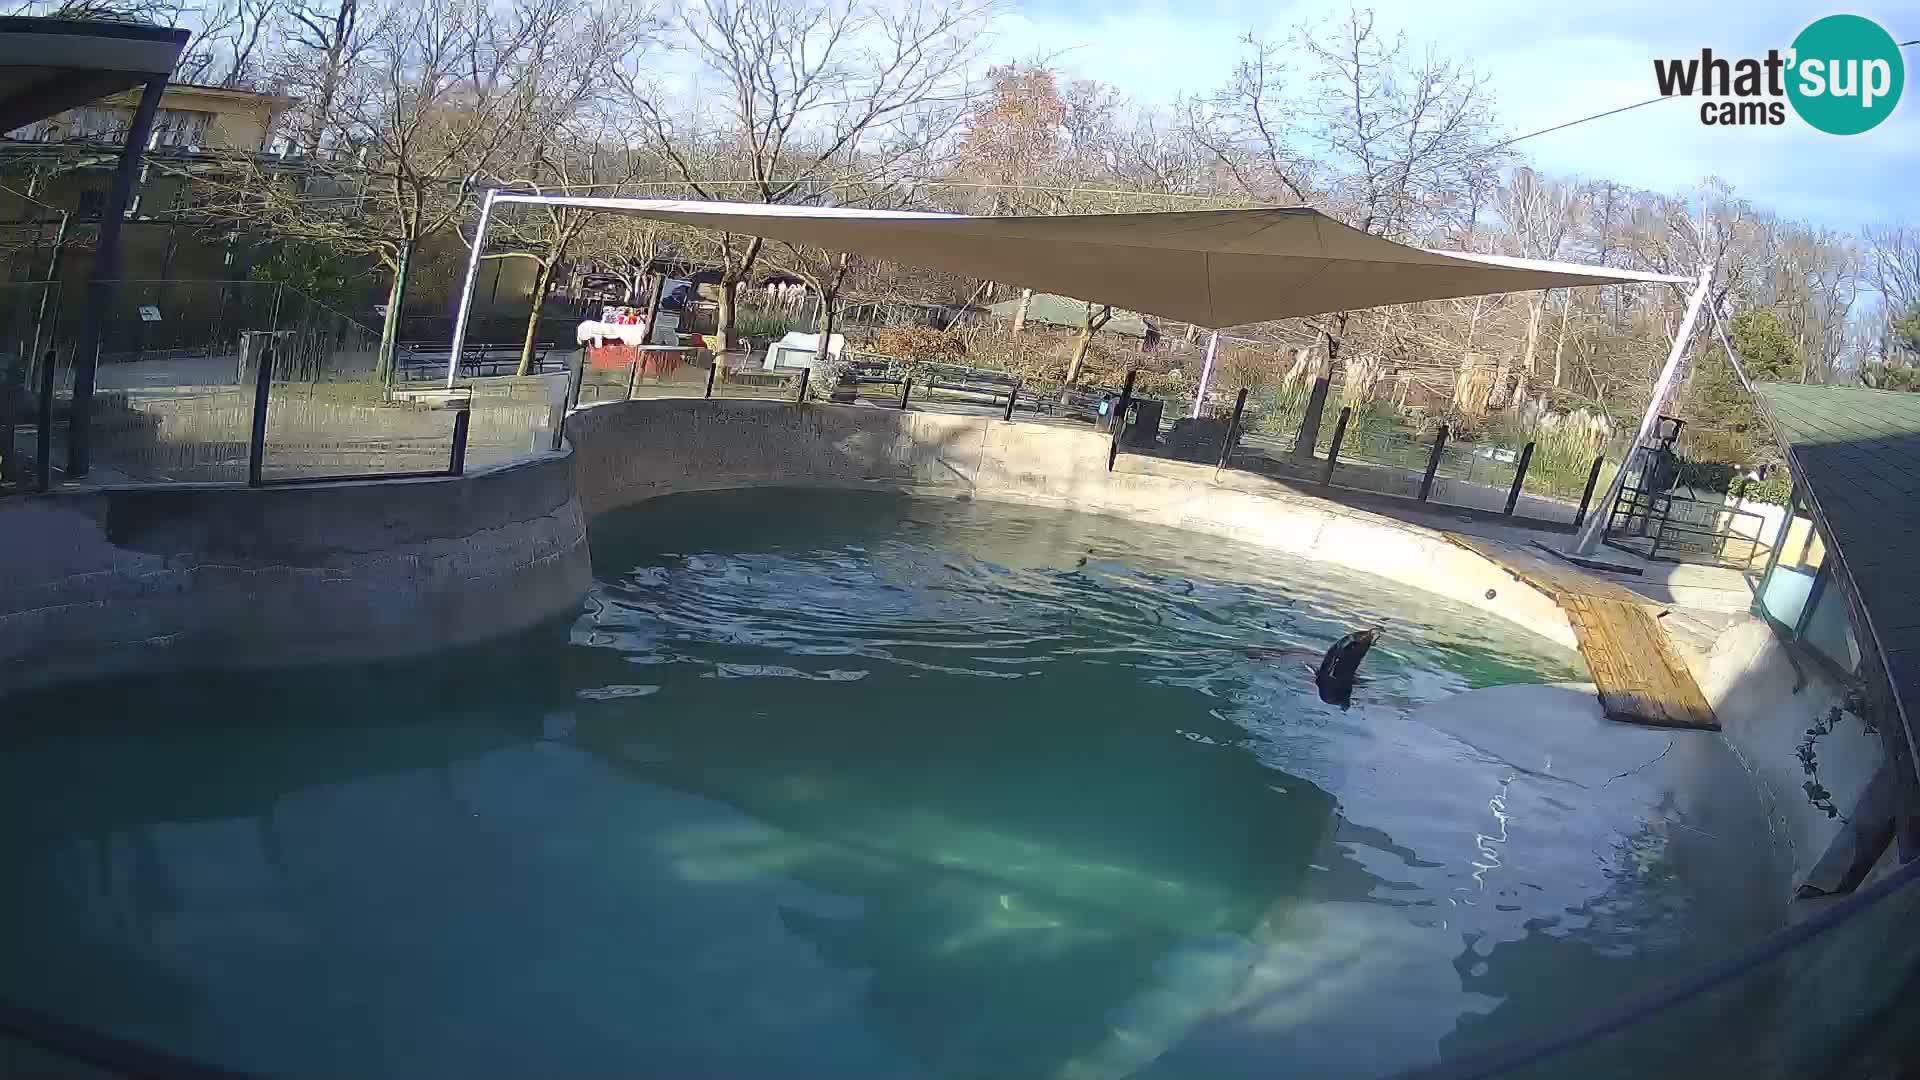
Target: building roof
{"x": 208, "y": 98}
{"x": 48, "y": 66}
{"x": 1213, "y": 268}
{"x": 1061, "y": 311}
{"x": 1855, "y": 454}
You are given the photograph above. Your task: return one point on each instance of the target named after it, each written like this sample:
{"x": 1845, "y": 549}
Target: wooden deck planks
{"x": 1641, "y": 679}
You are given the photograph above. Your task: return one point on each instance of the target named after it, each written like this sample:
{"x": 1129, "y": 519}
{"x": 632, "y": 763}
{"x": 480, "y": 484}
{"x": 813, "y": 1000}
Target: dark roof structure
{"x": 1855, "y": 455}
{"x": 48, "y": 66}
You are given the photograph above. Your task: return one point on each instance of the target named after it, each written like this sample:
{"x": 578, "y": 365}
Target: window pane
{"x": 1784, "y": 596}
{"x": 1829, "y": 632}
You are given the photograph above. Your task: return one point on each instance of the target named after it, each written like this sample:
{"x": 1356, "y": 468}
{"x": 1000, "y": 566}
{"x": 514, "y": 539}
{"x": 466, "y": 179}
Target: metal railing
{"x": 1676, "y": 528}
{"x": 1491, "y": 478}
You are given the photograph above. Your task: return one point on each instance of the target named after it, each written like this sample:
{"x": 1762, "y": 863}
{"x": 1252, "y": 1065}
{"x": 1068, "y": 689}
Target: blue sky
{"x": 1550, "y": 63}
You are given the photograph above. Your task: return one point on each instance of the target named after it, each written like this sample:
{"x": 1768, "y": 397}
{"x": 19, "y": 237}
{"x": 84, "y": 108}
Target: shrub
{"x": 1719, "y": 478}
{"x": 918, "y": 343}
{"x": 763, "y": 324}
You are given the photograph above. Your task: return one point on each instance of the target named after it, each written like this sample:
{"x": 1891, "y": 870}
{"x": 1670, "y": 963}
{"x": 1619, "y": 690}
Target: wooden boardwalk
{"x": 1641, "y": 679}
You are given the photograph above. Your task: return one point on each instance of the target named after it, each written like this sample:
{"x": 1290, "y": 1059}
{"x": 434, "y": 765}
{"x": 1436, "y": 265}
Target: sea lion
{"x": 1335, "y": 676}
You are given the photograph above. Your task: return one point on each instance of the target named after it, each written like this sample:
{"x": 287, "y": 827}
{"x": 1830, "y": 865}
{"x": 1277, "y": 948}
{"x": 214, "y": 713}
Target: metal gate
{"x": 1671, "y": 527}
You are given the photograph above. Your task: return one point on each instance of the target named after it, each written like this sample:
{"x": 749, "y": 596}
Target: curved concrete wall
{"x": 190, "y": 577}
{"x": 626, "y": 452}
{"x": 208, "y": 577}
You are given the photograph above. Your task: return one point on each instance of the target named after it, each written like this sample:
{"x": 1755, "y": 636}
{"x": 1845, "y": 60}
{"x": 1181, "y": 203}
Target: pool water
{"x": 852, "y": 785}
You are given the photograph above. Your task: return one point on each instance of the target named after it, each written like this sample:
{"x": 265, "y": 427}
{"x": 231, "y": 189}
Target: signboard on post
{"x": 149, "y": 313}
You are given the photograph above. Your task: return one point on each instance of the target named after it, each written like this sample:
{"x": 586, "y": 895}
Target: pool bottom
{"x": 847, "y": 785}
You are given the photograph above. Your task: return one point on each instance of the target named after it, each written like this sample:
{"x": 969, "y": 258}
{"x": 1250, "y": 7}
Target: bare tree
{"x": 571, "y": 139}
{"x": 230, "y": 48}
{"x": 1092, "y": 321}
{"x": 818, "y": 93}
{"x": 1893, "y": 270}
{"x": 438, "y": 94}
{"x": 1250, "y": 127}
{"x": 1402, "y": 138}
{"x": 327, "y": 40}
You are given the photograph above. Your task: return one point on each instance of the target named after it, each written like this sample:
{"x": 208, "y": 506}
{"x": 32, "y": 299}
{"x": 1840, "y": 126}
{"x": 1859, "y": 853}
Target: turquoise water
{"x": 841, "y": 784}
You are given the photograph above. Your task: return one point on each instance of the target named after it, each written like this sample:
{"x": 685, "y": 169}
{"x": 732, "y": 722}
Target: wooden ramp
{"x": 1641, "y": 679}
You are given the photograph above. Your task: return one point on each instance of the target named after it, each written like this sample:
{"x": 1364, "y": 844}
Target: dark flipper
{"x": 1335, "y": 676}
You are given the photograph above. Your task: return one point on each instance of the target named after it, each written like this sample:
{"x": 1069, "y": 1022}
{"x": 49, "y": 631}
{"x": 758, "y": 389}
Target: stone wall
{"x": 182, "y": 577}
{"x": 626, "y": 452}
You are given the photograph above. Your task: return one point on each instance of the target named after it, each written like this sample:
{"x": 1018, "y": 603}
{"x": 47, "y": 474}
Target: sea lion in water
{"x": 1335, "y": 676}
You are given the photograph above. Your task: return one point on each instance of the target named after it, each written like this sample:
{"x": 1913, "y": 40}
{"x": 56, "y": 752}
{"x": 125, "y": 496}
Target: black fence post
{"x": 801, "y": 395}
{"x": 1519, "y": 477}
{"x": 457, "y": 464}
{"x": 712, "y": 370}
{"x": 1117, "y": 420}
{"x": 43, "y": 439}
{"x": 1233, "y": 428}
{"x": 576, "y": 374}
{"x": 906, "y": 388}
{"x": 633, "y": 378}
{"x": 1433, "y": 462}
{"x": 257, "y": 441}
{"x": 1013, "y": 395}
{"x": 1125, "y": 402}
{"x": 1333, "y": 448}
{"x": 1586, "y": 497}
{"x": 12, "y": 385}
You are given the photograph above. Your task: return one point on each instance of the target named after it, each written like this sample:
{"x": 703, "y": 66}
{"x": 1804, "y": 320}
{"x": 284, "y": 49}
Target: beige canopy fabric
{"x": 1214, "y": 268}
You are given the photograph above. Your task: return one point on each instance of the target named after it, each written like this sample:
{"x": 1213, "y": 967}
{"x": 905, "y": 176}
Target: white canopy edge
{"x": 1213, "y": 268}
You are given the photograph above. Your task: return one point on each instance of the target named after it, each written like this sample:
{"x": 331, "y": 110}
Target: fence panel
{"x": 330, "y": 412}
{"x": 172, "y": 402}
{"x": 513, "y": 416}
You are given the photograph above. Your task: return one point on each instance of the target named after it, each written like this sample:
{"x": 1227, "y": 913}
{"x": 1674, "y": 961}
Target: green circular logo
{"x": 1846, "y": 75}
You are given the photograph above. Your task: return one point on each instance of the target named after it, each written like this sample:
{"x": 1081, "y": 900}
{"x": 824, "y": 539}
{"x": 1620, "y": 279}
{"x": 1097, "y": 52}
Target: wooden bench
{"x": 419, "y": 363}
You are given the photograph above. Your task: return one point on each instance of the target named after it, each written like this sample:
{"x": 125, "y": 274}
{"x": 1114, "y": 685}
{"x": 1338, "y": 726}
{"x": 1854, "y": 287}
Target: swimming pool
{"x": 855, "y": 784}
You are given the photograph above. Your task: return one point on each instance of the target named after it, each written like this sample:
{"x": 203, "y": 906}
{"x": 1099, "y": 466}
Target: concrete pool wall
{"x": 180, "y": 577}
{"x": 628, "y": 452}
{"x": 131, "y": 580}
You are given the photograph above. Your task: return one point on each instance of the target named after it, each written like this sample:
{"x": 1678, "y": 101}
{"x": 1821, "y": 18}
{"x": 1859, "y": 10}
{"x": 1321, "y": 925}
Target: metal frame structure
{"x": 1230, "y": 266}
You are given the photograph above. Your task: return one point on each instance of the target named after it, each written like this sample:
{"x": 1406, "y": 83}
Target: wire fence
{"x": 179, "y": 404}
{"x": 181, "y": 394}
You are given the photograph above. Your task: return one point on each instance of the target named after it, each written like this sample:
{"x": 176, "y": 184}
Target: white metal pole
{"x": 1597, "y": 514}
{"x": 466, "y": 291}
{"x": 1206, "y": 375}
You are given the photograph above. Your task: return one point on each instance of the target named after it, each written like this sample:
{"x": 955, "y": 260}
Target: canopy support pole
{"x": 1588, "y": 539}
{"x": 103, "y": 281}
{"x": 1206, "y": 376}
{"x": 466, "y": 290}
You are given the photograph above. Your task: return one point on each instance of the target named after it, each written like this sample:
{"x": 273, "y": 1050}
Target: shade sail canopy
{"x": 1216, "y": 268}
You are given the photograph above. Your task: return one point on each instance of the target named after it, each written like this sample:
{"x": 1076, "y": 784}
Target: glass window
{"x": 1828, "y": 630}
{"x": 1798, "y": 595}
{"x": 1785, "y": 590}
{"x": 181, "y": 128}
